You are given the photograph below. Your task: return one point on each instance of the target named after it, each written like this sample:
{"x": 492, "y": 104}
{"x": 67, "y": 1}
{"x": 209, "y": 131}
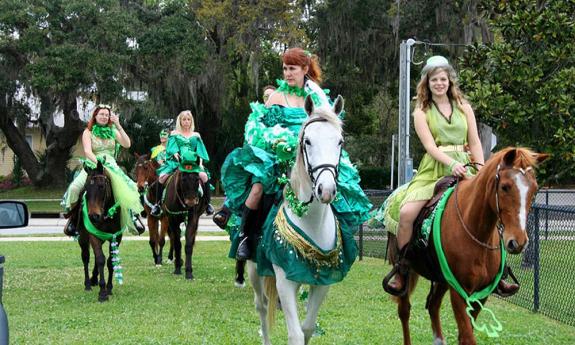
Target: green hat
{"x": 164, "y": 133}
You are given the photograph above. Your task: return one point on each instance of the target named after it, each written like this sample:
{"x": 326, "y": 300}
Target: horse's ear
{"x": 509, "y": 157}
{"x": 100, "y": 168}
{"x": 540, "y": 157}
{"x": 308, "y": 106}
{"x": 338, "y": 105}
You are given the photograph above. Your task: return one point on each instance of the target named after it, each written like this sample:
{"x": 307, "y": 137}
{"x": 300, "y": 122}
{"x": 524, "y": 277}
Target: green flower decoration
{"x": 298, "y": 207}
{"x": 292, "y": 90}
{"x": 103, "y": 132}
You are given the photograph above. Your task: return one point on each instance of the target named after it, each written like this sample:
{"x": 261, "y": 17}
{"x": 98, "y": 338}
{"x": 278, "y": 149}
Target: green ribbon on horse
{"x": 492, "y": 330}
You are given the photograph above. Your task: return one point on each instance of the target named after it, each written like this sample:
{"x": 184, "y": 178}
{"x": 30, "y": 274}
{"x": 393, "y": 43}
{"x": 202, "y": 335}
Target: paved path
{"x": 125, "y": 238}
{"x": 48, "y": 226}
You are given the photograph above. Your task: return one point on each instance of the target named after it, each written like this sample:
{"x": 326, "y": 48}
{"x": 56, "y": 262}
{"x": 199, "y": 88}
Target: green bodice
{"x": 102, "y": 147}
{"x": 189, "y": 149}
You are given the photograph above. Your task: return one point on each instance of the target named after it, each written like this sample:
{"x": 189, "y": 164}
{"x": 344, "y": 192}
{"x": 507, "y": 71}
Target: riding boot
{"x": 396, "y": 281}
{"x": 138, "y": 224}
{"x": 207, "y": 195}
{"x": 247, "y": 234}
{"x": 156, "y": 210}
{"x": 505, "y": 289}
{"x": 71, "y": 228}
{"x": 143, "y": 203}
{"x": 222, "y": 216}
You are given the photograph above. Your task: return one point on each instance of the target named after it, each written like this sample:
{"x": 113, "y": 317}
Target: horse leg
{"x": 174, "y": 232}
{"x": 100, "y": 261}
{"x": 162, "y": 240}
{"x": 260, "y": 301}
{"x": 153, "y": 233}
{"x": 433, "y": 306}
{"x": 287, "y": 292}
{"x": 110, "y": 285}
{"x": 85, "y": 249}
{"x": 463, "y": 323}
{"x": 317, "y": 294}
{"x": 404, "y": 311}
{"x": 191, "y": 231}
{"x": 240, "y": 268}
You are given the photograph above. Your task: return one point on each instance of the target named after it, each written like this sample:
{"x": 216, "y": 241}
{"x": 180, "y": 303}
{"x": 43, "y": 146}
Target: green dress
{"x": 270, "y": 143}
{"x": 445, "y": 132}
{"x": 190, "y": 150}
{"x": 124, "y": 189}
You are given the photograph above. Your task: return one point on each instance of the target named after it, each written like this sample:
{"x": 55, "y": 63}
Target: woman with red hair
{"x": 99, "y": 140}
{"x": 253, "y": 176}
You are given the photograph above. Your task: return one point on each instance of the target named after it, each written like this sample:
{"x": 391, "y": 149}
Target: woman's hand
{"x": 458, "y": 170}
{"x": 115, "y": 119}
{"x": 177, "y": 156}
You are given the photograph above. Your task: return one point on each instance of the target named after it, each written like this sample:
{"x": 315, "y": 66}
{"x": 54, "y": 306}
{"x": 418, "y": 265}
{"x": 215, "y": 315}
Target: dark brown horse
{"x": 183, "y": 203}
{"x": 94, "y": 213}
{"x": 148, "y": 186}
{"x": 482, "y": 214}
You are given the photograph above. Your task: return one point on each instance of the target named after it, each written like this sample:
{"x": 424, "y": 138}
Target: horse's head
{"x": 145, "y": 171}
{"x": 98, "y": 193}
{"x": 188, "y": 188}
{"x": 513, "y": 174}
{"x": 319, "y": 150}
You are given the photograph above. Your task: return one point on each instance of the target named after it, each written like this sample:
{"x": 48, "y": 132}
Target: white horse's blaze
{"x": 523, "y": 187}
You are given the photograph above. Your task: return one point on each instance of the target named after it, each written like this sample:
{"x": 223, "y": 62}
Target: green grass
{"x": 46, "y": 304}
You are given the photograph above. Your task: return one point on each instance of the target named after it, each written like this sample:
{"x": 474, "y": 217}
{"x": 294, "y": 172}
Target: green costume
{"x": 445, "y": 133}
{"x": 158, "y": 153}
{"x": 270, "y": 142}
{"x": 124, "y": 189}
{"x": 190, "y": 150}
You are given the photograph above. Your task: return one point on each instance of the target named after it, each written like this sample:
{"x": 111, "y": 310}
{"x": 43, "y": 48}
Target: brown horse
{"x": 96, "y": 203}
{"x": 183, "y": 203}
{"x": 483, "y": 213}
{"x": 147, "y": 181}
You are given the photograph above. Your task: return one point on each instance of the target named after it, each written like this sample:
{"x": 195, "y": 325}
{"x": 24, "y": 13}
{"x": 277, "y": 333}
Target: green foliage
{"x": 374, "y": 177}
{"x": 17, "y": 172}
{"x": 523, "y": 85}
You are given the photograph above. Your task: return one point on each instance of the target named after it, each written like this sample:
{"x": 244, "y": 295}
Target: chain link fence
{"x": 544, "y": 270}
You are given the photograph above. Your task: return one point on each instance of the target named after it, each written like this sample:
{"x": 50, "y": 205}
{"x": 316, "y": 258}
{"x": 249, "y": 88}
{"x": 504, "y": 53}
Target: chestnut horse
{"x": 98, "y": 225}
{"x": 146, "y": 179}
{"x": 485, "y": 216}
{"x": 183, "y": 203}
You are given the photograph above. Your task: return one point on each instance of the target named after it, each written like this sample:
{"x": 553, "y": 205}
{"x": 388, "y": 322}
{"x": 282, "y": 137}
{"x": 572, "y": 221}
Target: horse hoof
{"x": 87, "y": 288}
{"x": 240, "y": 285}
{"x": 189, "y": 276}
{"x": 102, "y": 298}
{"x": 158, "y": 265}
{"x": 177, "y": 272}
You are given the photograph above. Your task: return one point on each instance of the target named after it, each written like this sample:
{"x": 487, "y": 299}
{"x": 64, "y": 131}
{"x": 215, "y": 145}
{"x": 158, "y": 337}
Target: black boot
{"x": 247, "y": 234}
{"x": 71, "y": 227}
{"x": 208, "y": 197}
{"x": 505, "y": 289}
{"x": 156, "y": 210}
{"x": 396, "y": 281}
{"x": 143, "y": 213}
{"x": 221, "y": 217}
{"x": 139, "y": 225}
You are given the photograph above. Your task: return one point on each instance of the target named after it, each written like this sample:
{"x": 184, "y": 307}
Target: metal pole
{"x": 3, "y": 316}
{"x": 361, "y": 242}
{"x": 404, "y": 161}
{"x": 393, "y": 138}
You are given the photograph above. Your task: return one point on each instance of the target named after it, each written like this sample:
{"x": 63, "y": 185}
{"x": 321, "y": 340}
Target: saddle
{"x": 422, "y": 256}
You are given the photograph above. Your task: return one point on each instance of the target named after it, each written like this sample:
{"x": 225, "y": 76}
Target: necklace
{"x": 298, "y": 207}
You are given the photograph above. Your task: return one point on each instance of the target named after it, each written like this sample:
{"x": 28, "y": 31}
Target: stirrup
{"x": 385, "y": 282}
{"x": 156, "y": 211}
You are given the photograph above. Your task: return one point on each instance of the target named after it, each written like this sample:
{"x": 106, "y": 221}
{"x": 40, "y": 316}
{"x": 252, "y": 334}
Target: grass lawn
{"x": 46, "y": 304}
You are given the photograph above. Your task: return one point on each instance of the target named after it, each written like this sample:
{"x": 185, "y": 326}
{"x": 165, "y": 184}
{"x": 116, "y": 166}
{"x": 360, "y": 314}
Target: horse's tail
{"x": 271, "y": 293}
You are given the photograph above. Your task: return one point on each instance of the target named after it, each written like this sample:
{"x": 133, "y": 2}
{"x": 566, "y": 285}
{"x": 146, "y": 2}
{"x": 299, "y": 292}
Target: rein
{"x": 177, "y": 178}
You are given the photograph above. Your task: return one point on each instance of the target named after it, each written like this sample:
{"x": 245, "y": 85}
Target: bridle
{"x": 331, "y": 168}
{"x": 103, "y": 179}
{"x": 500, "y": 225}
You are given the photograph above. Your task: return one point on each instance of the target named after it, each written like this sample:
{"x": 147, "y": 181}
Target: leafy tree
{"x": 57, "y": 51}
{"x": 523, "y": 84}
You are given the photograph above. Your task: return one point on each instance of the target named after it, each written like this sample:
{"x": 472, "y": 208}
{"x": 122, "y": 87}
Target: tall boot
{"x": 247, "y": 234}
{"x": 396, "y": 281}
{"x": 222, "y": 216}
{"x": 208, "y": 197}
{"x": 505, "y": 289}
{"x": 71, "y": 228}
{"x": 156, "y": 210}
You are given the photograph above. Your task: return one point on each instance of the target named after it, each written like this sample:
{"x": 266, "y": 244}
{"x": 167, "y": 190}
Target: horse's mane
{"x": 299, "y": 176}
{"x": 143, "y": 158}
{"x": 524, "y": 158}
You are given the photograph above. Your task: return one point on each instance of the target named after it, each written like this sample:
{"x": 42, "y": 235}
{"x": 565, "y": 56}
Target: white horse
{"x": 313, "y": 181}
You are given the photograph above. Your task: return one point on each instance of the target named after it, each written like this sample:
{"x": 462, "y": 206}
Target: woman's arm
{"x": 276, "y": 98}
{"x": 473, "y": 136}
{"x": 424, "y": 134}
{"x": 172, "y": 148}
{"x": 121, "y": 137}
{"x": 87, "y": 145}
